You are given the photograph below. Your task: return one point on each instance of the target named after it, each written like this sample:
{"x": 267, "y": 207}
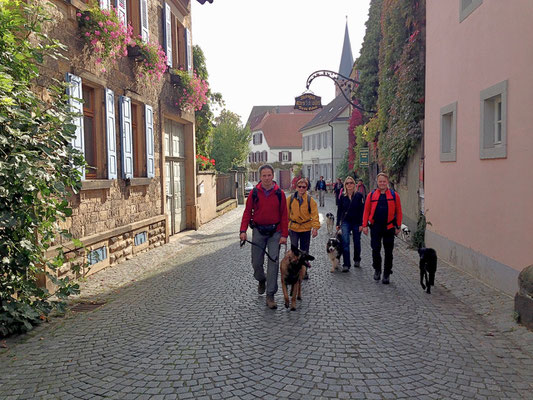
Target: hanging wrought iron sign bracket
{"x": 344, "y": 83}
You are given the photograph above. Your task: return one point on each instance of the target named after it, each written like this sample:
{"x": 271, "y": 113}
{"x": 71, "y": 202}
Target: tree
{"x": 231, "y": 141}
{"x": 39, "y": 170}
{"x": 204, "y": 118}
{"x": 342, "y": 168}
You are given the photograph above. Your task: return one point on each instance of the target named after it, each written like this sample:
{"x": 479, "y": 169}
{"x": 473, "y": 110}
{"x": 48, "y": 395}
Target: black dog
{"x": 428, "y": 267}
{"x": 334, "y": 250}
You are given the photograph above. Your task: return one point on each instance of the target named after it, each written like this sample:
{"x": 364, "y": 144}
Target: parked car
{"x": 248, "y": 187}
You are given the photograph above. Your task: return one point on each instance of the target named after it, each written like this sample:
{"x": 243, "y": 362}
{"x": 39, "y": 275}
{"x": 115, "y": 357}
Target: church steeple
{"x": 346, "y": 65}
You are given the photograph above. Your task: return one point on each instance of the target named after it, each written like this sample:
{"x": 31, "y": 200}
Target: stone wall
{"x": 109, "y": 213}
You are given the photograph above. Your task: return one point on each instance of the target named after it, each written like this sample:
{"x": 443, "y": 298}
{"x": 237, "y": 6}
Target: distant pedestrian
{"x": 361, "y": 188}
{"x": 383, "y": 213}
{"x": 321, "y": 188}
{"x": 304, "y": 222}
{"x": 266, "y": 213}
{"x": 349, "y": 220}
{"x": 337, "y": 189}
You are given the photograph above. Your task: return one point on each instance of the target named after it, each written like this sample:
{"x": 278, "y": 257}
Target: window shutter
{"x": 290, "y": 155}
{"x": 105, "y": 4}
{"x": 122, "y": 12}
{"x": 168, "y": 33}
{"x": 265, "y": 155}
{"x": 145, "y": 34}
{"x": 74, "y": 90}
{"x": 110, "y": 133}
{"x": 188, "y": 52}
{"x": 125, "y": 135}
{"x": 149, "y": 129}
{"x": 260, "y": 138}
{"x": 280, "y": 156}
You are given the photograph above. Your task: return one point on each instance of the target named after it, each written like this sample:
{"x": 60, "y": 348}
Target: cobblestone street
{"x": 189, "y": 324}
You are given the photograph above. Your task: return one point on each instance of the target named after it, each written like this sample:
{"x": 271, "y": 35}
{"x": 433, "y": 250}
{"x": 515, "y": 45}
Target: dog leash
{"x": 243, "y": 242}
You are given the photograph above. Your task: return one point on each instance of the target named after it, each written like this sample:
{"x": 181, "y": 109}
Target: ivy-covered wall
{"x": 391, "y": 68}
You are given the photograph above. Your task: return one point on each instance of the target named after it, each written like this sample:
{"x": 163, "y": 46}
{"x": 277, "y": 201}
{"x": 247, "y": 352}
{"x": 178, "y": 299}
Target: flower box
{"x": 175, "y": 79}
{"x": 134, "y": 51}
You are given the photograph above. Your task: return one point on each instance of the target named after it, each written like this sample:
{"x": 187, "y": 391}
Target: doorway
{"x": 175, "y": 175}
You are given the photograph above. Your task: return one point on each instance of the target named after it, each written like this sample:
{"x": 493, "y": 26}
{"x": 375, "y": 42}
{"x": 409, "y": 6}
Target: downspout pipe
{"x": 332, "y": 162}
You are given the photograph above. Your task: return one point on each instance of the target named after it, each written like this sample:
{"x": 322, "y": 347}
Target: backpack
{"x": 391, "y": 191}
{"x": 255, "y": 198}
{"x": 308, "y": 202}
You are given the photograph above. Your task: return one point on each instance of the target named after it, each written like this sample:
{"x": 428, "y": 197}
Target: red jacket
{"x": 266, "y": 210}
{"x": 394, "y": 209}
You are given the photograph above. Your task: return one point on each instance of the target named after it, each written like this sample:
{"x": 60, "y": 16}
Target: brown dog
{"x": 292, "y": 270}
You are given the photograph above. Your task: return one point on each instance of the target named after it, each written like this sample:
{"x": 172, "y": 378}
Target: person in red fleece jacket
{"x": 266, "y": 210}
{"x": 383, "y": 213}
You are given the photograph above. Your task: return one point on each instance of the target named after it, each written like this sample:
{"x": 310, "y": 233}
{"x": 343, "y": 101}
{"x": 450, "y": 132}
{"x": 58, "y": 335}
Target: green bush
{"x": 39, "y": 170}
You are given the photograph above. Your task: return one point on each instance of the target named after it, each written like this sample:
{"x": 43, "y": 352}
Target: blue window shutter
{"x": 167, "y": 23}
{"x": 149, "y": 129}
{"x": 126, "y": 137}
{"x": 145, "y": 33}
{"x": 110, "y": 121}
{"x": 122, "y": 11}
{"x": 188, "y": 52}
{"x": 74, "y": 90}
{"x": 105, "y": 4}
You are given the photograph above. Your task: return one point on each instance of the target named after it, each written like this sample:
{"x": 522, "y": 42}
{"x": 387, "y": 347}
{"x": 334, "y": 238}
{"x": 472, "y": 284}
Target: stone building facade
{"x": 140, "y": 185}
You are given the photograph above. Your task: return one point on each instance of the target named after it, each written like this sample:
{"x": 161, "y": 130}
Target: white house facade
{"x": 325, "y": 141}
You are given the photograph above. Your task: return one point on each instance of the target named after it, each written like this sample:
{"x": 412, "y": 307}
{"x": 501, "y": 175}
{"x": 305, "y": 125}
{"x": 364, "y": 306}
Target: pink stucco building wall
{"x": 481, "y": 210}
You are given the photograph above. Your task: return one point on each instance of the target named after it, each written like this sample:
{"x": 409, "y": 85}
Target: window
{"x": 177, "y": 39}
{"x": 319, "y": 140}
{"x": 493, "y": 127}
{"x": 285, "y": 156}
{"x": 466, "y": 7}
{"x": 448, "y": 132}
{"x": 314, "y": 142}
{"x": 93, "y": 134}
{"x": 139, "y": 141}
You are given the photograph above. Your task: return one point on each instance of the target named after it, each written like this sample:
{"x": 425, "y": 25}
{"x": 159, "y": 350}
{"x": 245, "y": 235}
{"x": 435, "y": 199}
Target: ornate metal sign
{"x": 308, "y": 102}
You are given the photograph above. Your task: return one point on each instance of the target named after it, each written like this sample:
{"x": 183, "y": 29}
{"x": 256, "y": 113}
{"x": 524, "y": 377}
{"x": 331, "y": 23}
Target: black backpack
{"x": 308, "y": 201}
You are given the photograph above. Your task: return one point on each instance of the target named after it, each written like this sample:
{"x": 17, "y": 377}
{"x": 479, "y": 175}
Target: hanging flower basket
{"x": 191, "y": 90}
{"x": 151, "y": 58}
{"x": 103, "y": 31}
{"x": 134, "y": 51}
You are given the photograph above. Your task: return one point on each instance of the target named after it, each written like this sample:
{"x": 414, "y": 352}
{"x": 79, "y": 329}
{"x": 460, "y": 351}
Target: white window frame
{"x": 285, "y": 156}
{"x": 448, "y": 131}
{"x": 465, "y": 9}
{"x": 489, "y": 98}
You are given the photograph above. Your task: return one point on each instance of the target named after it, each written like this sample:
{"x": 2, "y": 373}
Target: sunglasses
{"x": 302, "y": 187}
{"x": 350, "y": 183}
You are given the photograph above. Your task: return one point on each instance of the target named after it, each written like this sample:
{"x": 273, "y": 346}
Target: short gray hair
{"x": 262, "y": 167}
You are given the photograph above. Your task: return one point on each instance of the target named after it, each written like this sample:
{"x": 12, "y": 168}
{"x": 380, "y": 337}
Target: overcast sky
{"x": 261, "y": 52}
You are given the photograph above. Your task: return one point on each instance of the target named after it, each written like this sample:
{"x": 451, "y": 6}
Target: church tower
{"x": 346, "y": 65}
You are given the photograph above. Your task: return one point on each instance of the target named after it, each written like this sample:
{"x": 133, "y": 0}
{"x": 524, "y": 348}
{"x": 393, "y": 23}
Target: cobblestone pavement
{"x": 184, "y": 321}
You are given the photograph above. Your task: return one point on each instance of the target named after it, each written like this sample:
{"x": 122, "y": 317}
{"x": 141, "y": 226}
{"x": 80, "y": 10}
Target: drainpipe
{"x": 332, "y": 162}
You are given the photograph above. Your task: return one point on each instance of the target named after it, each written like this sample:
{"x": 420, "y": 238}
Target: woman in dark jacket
{"x": 349, "y": 220}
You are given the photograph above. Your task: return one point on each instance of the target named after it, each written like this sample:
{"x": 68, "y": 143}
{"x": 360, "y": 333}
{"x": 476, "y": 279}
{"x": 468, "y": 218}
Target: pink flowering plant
{"x": 152, "y": 60}
{"x": 105, "y": 33}
{"x": 192, "y": 91}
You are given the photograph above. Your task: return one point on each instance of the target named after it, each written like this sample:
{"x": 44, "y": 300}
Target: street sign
{"x": 307, "y": 102}
{"x": 363, "y": 157}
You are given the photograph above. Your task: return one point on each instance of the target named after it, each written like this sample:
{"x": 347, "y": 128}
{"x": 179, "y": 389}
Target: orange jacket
{"x": 394, "y": 217}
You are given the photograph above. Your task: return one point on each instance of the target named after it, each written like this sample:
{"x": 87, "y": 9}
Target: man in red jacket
{"x": 383, "y": 212}
{"x": 266, "y": 212}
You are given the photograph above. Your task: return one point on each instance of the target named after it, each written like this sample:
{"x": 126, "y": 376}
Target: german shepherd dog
{"x": 292, "y": 270}
{"x": 334, "y": 250}
{"x": 428, "y": 267}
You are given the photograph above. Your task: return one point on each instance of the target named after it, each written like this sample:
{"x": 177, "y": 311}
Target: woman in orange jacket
{"x": 383, "y": 213}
